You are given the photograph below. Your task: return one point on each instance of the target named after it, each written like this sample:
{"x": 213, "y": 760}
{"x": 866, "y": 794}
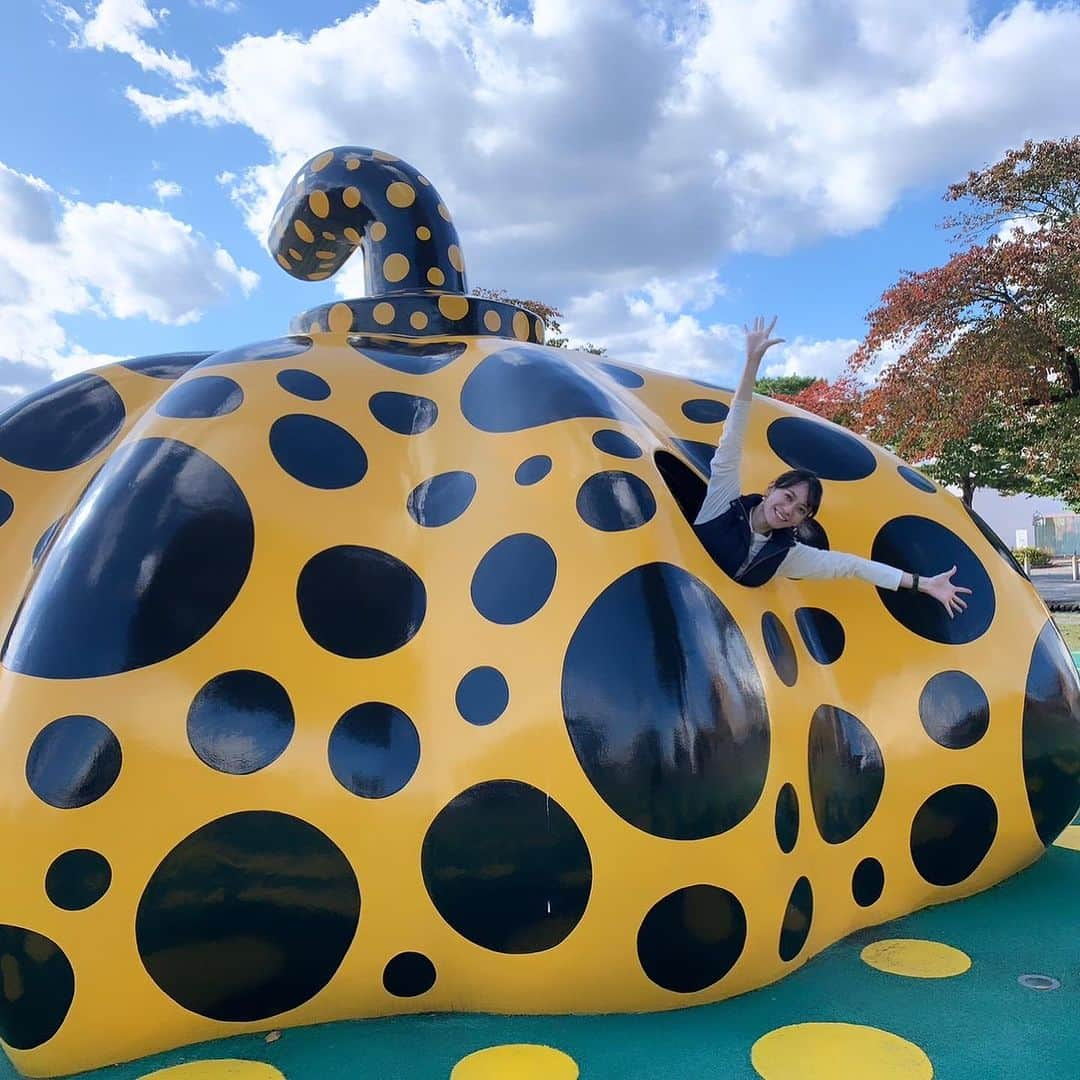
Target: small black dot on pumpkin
{"x": 409, "y": 974}
{"x": 441, "y": 499}
{"x": 77, "y": 879}
{"x": 201, "y": 398}
{"x": 532, "y": 470}
{"x": 705, "y": 411}
{"x": 407, "y": 414}
{"x": 616, "y": 443}
{"x": 304, "y": 384}
{"x": 482, "y": 696}
{"x": 786, "y": 818}
{"x": 7, "y": 506}
{"x": 514, "y": 579}
{"x": 73, "y": 761}
{"x": 954, "y": 710}
{"x": 317, "y": 452}
{"x": 615, "y": 501}
{"x": 778, "y": 646}
{"x": 868, "y": 882}
{"x": 374, "y": 750}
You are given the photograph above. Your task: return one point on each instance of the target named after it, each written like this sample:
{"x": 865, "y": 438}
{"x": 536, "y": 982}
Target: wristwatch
{"x": 915, "y": 582}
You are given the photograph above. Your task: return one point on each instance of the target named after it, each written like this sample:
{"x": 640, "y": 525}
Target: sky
{"x": 660, "y": 170}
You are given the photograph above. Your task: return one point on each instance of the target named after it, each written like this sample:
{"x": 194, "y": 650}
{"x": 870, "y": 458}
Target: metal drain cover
{"x": 1039, "y": 982}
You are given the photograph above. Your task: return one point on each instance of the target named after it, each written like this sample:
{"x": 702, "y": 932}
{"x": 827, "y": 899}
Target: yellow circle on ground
{"x": 1070, "y": 838}
{"x": 383, "y": 313}
{"x": 340, "y": 319}
{"x": 319, "y": 203}
{"x": 915, "y": 958}
{"x": 400, "y": 194}
{"x": 395, "y": 267}
{"x": 493, "y": 321}
{"x": 516, "y": 1061}
{"x": 231, "y": 1069}
{"x": 378, "y": 231}
{"x": 828, "y": 1051}
{"x": 351, "y": 197}
{"x": 454, "y": 307}
{"x": 521, "y": 325}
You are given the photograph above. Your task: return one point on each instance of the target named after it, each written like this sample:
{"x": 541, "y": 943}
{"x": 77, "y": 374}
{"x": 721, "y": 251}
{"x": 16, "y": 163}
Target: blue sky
{"x": 660, "y": 171}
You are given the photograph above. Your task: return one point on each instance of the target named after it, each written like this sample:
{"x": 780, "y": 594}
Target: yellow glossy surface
{"x": 516, "y": 1061}
{"x": 916, "y": 959}
{"x": 836, "y": 1052}
{"x": 1069, "y": 838}
{"x": 231, "y": 1069}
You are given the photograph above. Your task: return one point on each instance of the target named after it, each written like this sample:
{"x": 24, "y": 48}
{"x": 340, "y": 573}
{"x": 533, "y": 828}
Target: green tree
{"x": 786, "y": 386}
{"x": 551, "y": 316}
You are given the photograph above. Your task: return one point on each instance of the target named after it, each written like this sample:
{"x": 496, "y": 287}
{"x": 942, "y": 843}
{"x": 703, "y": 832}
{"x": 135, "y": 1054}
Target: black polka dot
{"x": 686, "y": 486}
{"x": 822, "y": 634}
{"x": 526, "y": 386}
{"x": 916, "y": 479}
{"x": 277, "y": 349}
{"x": 623, "y": 376}
{"x": 615, "y": 501}
{"x": 360, "y": 602}
{"x": 828, "y": 451}
{"x": 778, "y": 646}
{"x": 482, "y": 696}
{"x": 507, "y": 868}
{"x": 692, "y": 938}
{"x": 39, "y": 986}
{"x": 954, "y": 710}
{"x": 699, "y": 453}
{"x": 1051, "y": 735}
{"x": 919, "y": 545}
{"x": 616, "y": 443}
{"x": 532, "y": 470}
{"x": 73, "y": 761}
{"x": 116, "y": 599}
{"x": 664, "y": 706}
{"x": 407, "y": 414}
{"x": 514, "y": 579}
{"x": 240, "y": 722}
{"x": 317, "y": 452}
{"x": 256, "y": 884}
{"x": 952, "y": 833}
{"x": 7, "y": 506}
{"x": 202, "y": 397}
{"x": 704, "y": 411}
{"x": 43, "y": 541}
{"x": 304, "y": 384}
{"x": 409, "y": 974}
{"x": 786, "y": 819}
{"x": 441, "y": 499}
{"x": 797, "y": 918}
{"x": 166, "y": 365}
{"x": 374, "y": 750}
{"x": 62, "y": 424}
{"x": 995, "y": 541}
{"x": 77, "y": 879}
{"x": 868, "y": 882}
{"x": 847, "y": 773}
{"x": 408, "y": 358}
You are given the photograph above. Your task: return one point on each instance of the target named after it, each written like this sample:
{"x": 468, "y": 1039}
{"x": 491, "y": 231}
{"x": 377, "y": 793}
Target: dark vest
{"x": 726, "y": 538}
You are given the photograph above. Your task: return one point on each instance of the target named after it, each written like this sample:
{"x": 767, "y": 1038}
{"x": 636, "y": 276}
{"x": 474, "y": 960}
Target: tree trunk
{"x": 967, "y": 490}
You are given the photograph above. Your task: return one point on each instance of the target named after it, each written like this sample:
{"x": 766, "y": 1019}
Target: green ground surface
{"x": 979, "y": 1024}
{"x": 1069, "y": 624}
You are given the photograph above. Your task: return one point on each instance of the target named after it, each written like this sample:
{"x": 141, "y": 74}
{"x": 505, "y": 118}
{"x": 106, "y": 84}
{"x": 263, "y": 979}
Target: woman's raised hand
{"x": 942, "y": 589}
{"x": 758, "y": 340}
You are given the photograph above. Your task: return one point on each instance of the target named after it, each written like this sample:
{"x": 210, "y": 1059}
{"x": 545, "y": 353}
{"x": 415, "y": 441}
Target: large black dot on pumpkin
{"x": 921, "y": 546}
{"x": 407, "y": 414}
{"x": 73, "y": 761}
{"x": 995, "y": 541}
{"x": 7, "y": 506}
{"x": 410, "y": 359}
{"x": 506, "y": 866}
{"x": 157, "y": 553}
{"x": 62, "y": 424}
{"x": 525, "y": 386}
{"x": 514, "y": 579}
{"x": 778, "y": 646}
{"x": 704, "y": 411}
{"x": 441, "y": 499}
{"x": 240, "y": 721}
{"x": 317, "y": 452}
{"x": 247, "y": 917}
{"x": 954, "y": 710}
{"x": 828, "y": 451}
{"x": 822, "y": 634}
{"x": 275, "y": 349}
{"x": 38, "y": 987}
{"x": 1051, "y": 735}
{"x": 952, "y": 833}
{"x": 847, "y": 773}
{"x": 616, "y": 443}
{"x": 408, "y": 974}
{"x": 360, "y": 602}
{"x": 692, "y": 938}
{"x": 374, "y": 750}
{"x": 867, "y": 882}
{"x": 304, "y": 384}
{"x": 201, "y": 397}
{"x": 482, "y": 696}
{"x": 78, "y": 879}
{"x": 533, "y": 470}
{"x": 615, "y": 501}
{"x": 797, "y": 917}
{"x": 664, "y": 706}
{"x": 623, "y": 376}
{"x": 165, "y": 365}
{"x": 786, "y": 818}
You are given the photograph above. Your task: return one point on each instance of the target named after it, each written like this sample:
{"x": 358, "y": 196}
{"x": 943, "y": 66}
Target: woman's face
{"x": 786, "y": 508}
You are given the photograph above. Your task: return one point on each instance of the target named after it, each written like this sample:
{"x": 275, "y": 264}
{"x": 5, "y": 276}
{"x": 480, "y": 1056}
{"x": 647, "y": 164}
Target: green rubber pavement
{"x": 979, "y": 1024}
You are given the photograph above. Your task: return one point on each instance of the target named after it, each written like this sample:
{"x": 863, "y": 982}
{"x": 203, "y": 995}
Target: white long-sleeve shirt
{"x": 801, "y": 561}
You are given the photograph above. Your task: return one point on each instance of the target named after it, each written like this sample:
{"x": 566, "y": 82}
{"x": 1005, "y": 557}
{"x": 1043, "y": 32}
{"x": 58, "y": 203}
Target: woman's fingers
{"x": 772, "y": 324}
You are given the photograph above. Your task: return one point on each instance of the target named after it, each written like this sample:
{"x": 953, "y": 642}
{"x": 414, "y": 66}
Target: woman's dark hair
{"x": 801, "y": 476}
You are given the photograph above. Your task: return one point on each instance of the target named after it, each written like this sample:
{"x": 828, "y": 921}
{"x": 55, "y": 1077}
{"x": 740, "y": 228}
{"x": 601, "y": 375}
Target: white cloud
{"x": 109, "y": 259}
{"x": 167, "y": 189}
